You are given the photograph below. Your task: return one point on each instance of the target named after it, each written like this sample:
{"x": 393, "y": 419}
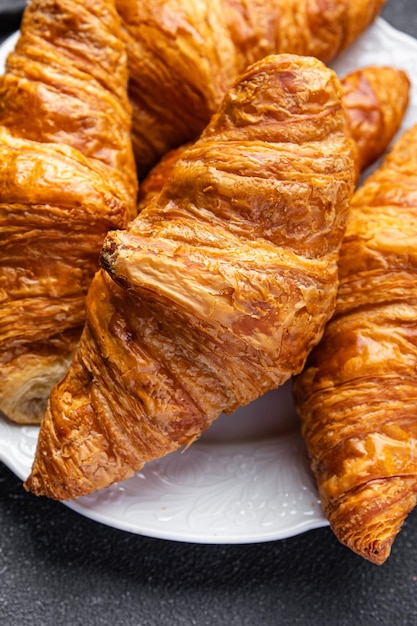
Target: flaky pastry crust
{"x": 375, "y": 98}
{"x": 184, "y": 55}
{"x": 357, "y": 395}
{"x": 67, "y": 176}
{"x": 219, "y": 288}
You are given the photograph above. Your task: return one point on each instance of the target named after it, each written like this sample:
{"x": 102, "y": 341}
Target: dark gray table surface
{"x": 59, "y": 568}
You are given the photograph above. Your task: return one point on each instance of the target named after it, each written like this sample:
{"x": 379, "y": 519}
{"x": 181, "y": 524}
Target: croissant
{"x": 357, "y": 395}
{"x": 188, "y": 54}
{"x": 375, "y": 99}
{"x": 219, "y": 288}
{"x": 67, "y": 176}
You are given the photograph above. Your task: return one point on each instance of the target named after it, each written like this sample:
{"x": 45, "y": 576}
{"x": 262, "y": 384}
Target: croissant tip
{"x": 376, "y": 552}
{"x": 31, "y": 485}
{"x": 37, "y": 486}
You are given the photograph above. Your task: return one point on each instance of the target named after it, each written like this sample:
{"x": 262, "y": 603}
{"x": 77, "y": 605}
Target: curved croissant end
{"x": 67, "y": 176}
{"x": 219, "y": 288}
{"x": 356, "y": 397}
{"x": 376, "y": 99}
{"x": 381, "y": 506}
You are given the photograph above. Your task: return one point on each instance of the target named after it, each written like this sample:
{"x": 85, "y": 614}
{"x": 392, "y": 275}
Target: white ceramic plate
{"x": 247, "y": 479}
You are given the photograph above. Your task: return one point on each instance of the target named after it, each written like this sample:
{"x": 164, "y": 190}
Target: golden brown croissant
{"x": 375, "y": 98}
{"x": 357, "y": 395}
{"x": 183, "y": 55}
{"x": 67, "y": 176}
{"x": 217, "y": 291}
